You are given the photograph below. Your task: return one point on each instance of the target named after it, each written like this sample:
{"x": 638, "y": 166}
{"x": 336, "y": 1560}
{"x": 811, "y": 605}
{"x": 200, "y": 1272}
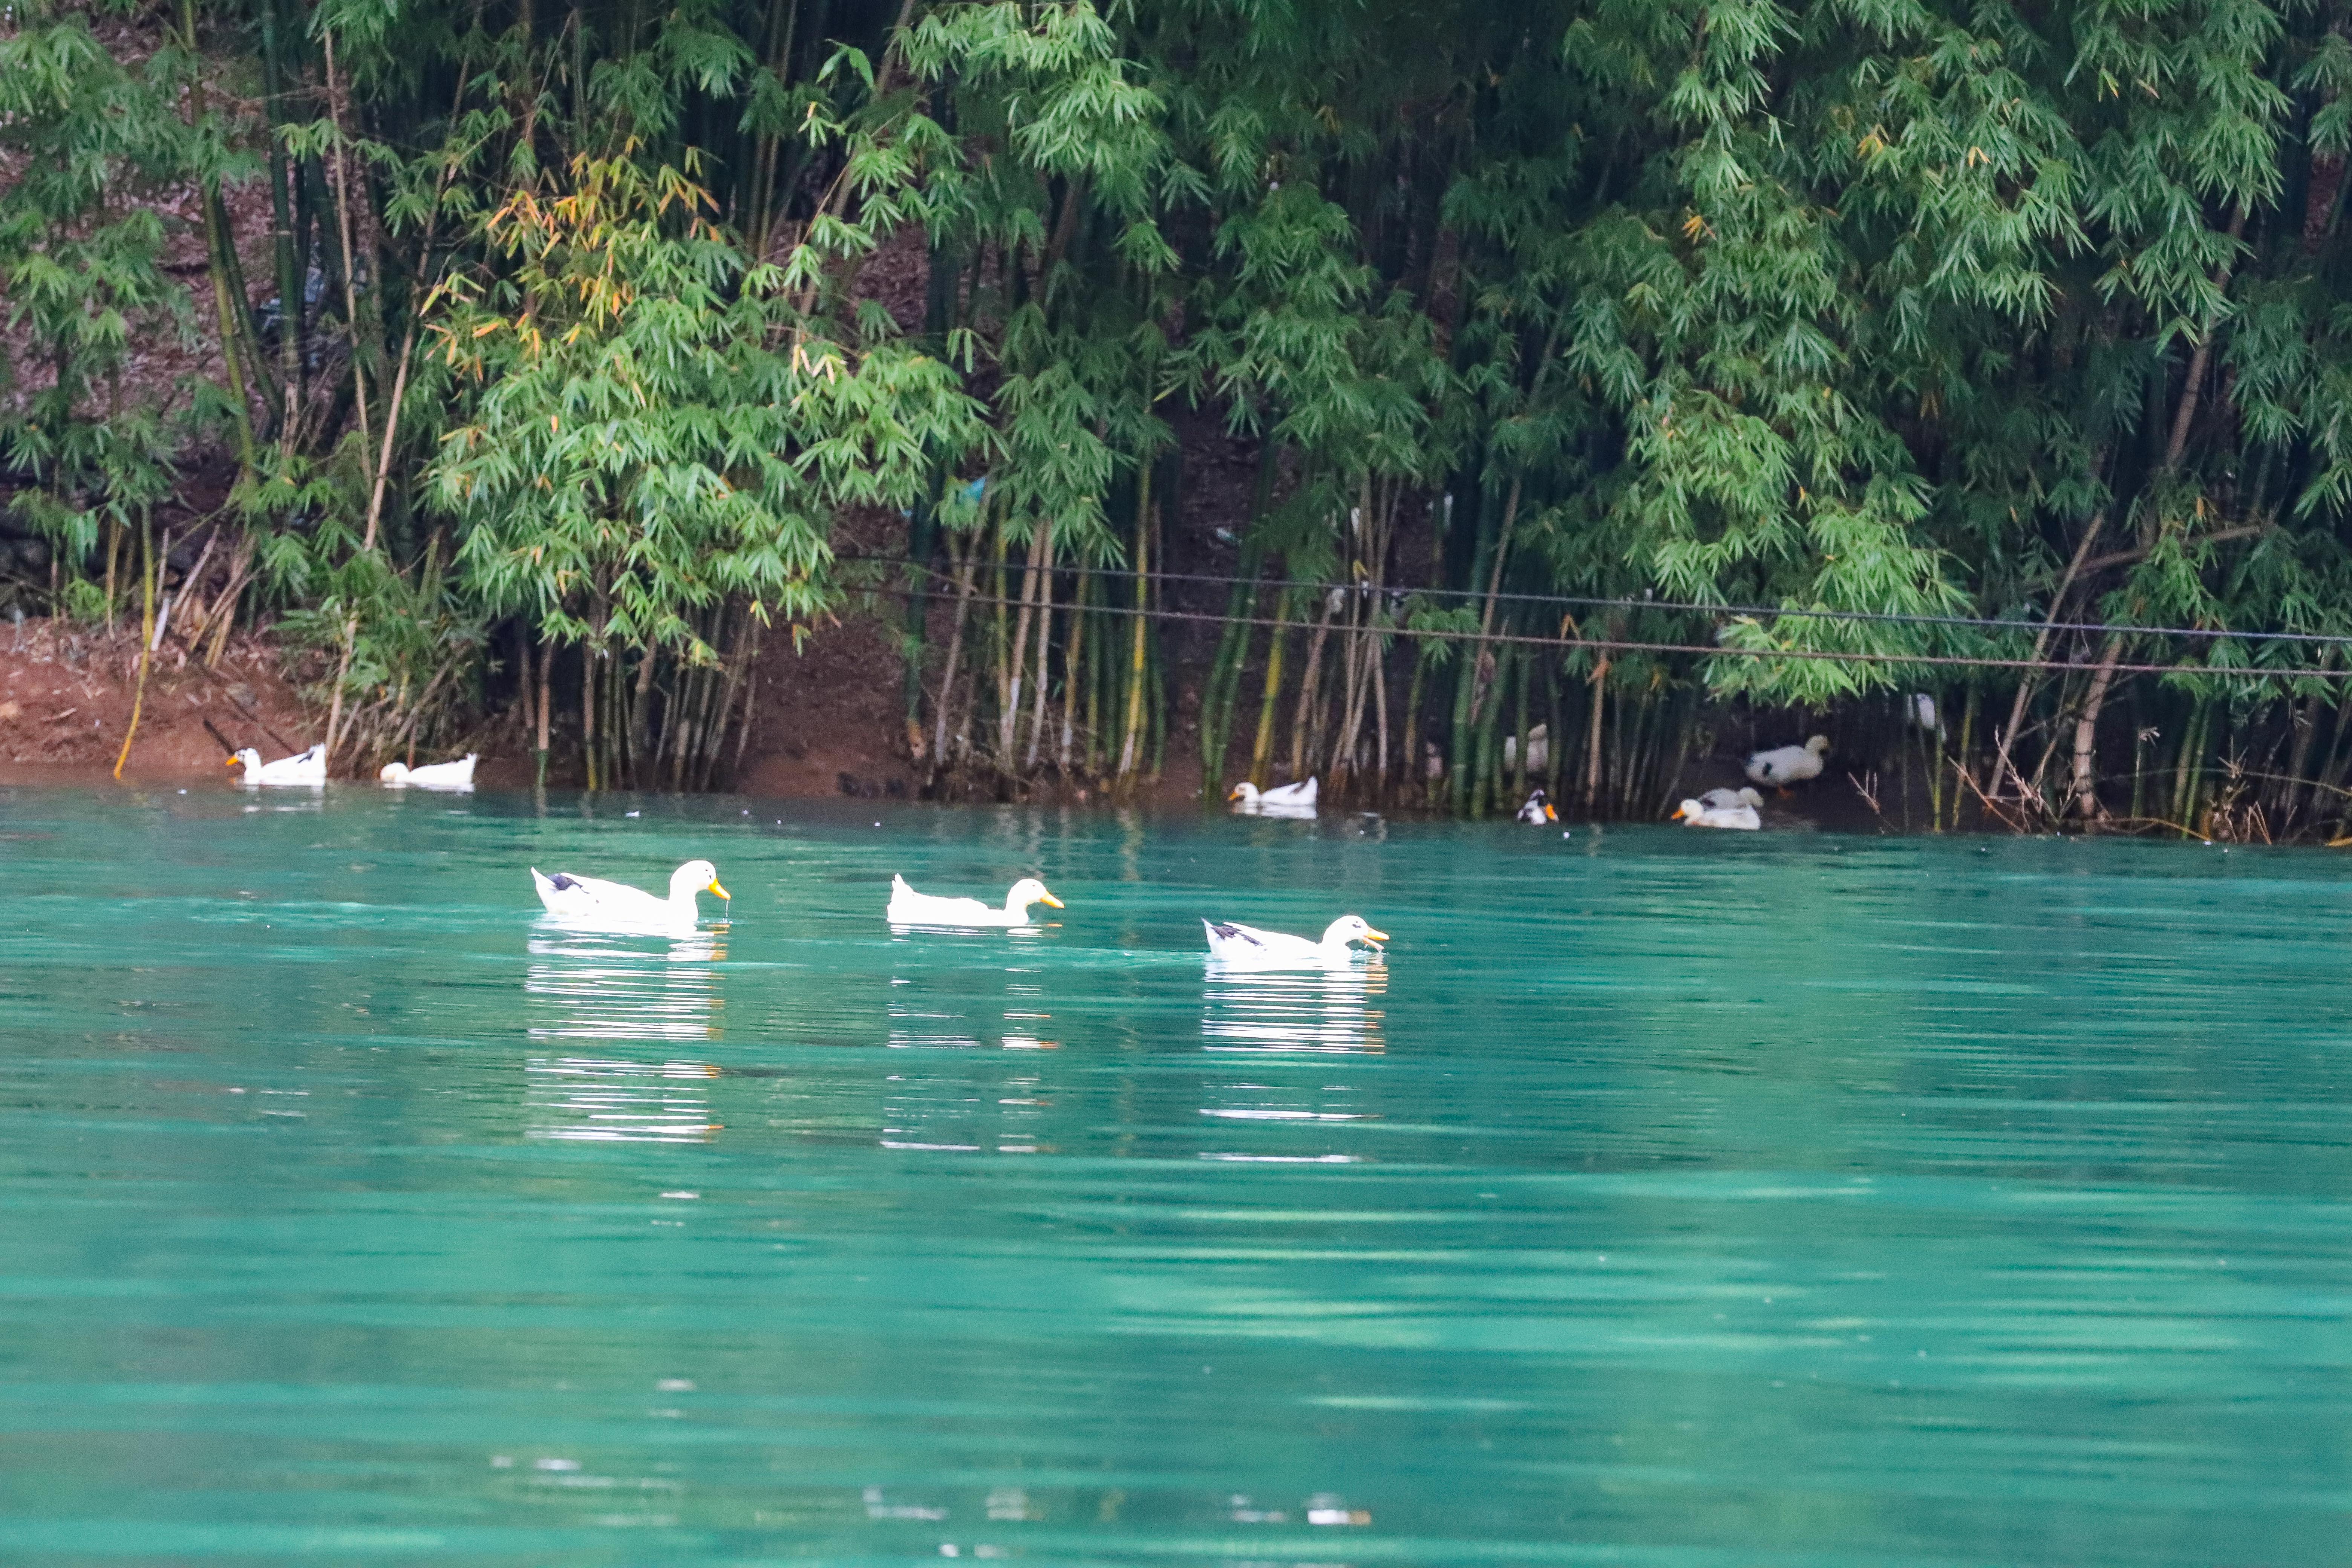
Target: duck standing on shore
{"x": 1785, "y": 766}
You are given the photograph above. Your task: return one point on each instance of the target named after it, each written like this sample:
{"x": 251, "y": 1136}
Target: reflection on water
{"x": 986, "y": 1110}
{"x": 1294, "y": 1009}
{"x": 922, "y": 1013}
{"x": 588, "y": 986}
{"x": 594, "y": 986}
{"x": 595, "y": 1100}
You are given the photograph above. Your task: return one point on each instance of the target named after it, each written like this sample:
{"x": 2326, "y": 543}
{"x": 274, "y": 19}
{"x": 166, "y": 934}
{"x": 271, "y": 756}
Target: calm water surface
{"x": 1670, "y": 1200}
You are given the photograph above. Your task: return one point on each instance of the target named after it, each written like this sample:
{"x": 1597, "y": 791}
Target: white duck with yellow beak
{"x": 1698, "y": 813}
{"x": 591, "y": 902}
{"x": 1247, "y": 947}
{"x": 303, "y": 768}
{"x": 909, "y": 908}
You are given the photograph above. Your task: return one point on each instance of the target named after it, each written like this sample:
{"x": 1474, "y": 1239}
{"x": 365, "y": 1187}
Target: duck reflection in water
{"x": 1321, "y": 1010}
{"x": 586, "y": 986}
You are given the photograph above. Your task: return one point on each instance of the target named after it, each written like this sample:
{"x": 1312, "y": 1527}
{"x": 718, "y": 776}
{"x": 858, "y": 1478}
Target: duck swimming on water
{"x": 458, "y": 774}
{"x": 303, "y": 768}
{"x": 592, "y": 902}
{"x": 1698, "y": 813}
{"x": 1281, "y": 800}
{"x": 909, "y": 908}
{"x": 1247, "y": 947}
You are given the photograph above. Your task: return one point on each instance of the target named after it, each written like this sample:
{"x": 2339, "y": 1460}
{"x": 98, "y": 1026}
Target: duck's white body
{"x": 909, "y": 908}
{"x": 306, "y": 768}
{"x": 1247, "y": 947}
{"x": 458, "y": 774}
{"x": 1698, "y": 813}
{"x": 1538, "y": 810}
{"x": 1731, "y": 799}
{"x": 591, "y": 902}
{"x": 1283, "y": 800}
{"x": 1789, "y": 765}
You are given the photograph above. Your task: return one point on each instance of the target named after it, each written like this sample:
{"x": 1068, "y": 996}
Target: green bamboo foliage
{"x": 1855, "y": 324}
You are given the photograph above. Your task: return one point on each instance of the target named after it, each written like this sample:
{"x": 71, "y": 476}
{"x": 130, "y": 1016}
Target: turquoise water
{"x": 1670, "y": 1199}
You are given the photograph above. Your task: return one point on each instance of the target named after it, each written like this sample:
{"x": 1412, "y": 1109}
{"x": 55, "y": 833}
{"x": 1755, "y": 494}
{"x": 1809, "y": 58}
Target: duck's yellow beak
{"x": 1371, "y": 935}
{"x": 1550, "y": 814}
{"x": 720, "y": 890}
{"x": 1234, "y": 793}
{"x": 229, "y": 762}
{"x": 1049, "y": 898}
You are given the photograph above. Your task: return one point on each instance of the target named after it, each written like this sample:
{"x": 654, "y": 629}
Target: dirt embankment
{"x": 67, "y": 693}
{"x": 828, "y": 717}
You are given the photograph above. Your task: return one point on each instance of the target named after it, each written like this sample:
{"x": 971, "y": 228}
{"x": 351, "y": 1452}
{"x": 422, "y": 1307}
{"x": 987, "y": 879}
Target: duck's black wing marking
{"x": 1225, "y": 933}
{"x": 562, "y": 880}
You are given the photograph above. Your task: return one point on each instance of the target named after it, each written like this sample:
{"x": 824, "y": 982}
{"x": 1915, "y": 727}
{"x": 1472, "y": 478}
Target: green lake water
{"x": 1670, "y": 1200}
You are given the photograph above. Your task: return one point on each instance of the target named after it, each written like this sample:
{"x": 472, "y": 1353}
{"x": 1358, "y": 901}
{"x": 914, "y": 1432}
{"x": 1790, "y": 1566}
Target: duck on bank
{"x": 1784, "y": 765}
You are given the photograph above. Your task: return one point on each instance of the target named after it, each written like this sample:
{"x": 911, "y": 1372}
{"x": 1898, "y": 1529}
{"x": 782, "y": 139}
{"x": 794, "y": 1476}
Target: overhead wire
{"x": 1633, "y": 644}
{"x": 1893, "y": 617}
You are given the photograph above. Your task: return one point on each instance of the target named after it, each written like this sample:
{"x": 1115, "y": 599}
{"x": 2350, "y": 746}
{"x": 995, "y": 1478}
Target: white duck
{"x": 458, "y": 774}
{"x": 305, "y": 768}
{"x": 1538, "y": 810}
{"x": 1247, "y": 947}
{"x": 1698, "y": 813}
{"x": 1283, "y": 800}
{"x": 909, "y": 908}
{"x": 1789, "y": 764}
{"x": 590, "y": 901}
{"x": 1731, "y": 799}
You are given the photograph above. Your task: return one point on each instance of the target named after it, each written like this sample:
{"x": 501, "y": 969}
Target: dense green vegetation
{"x": 2030, "y": 314}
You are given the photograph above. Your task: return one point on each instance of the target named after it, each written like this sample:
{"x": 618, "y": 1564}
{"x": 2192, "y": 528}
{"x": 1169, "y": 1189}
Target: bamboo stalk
{"x": 967, "y": 569}
{"x": 1308, "y": 682}
{"x": 1131, "y": 736}
{"x": 1592, "y": 763}
{"x": 1073, "y": 667}
{"x": 343, "y": 225}
{"x": 146, "y": 639}
{"x": 1044, "y": 640}
{"x": 1008, "y": 718}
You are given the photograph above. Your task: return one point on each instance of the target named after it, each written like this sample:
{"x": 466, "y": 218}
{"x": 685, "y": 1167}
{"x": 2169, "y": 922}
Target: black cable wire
{"x": 1893, "y": 617}
{"x": 1625, "y": 645}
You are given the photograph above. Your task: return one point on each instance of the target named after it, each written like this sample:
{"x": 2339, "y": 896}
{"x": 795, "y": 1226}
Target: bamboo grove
{"x": 1615, "y": 377}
